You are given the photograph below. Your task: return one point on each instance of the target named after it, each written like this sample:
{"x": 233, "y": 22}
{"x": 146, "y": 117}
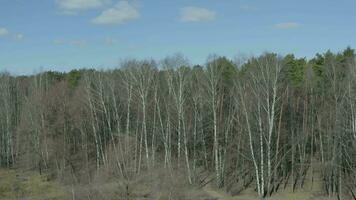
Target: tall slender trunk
{"x": 249, "y": 130}
{"x": 144, "y": 127}
{"x": 195, "y": 140}
{"x": 261, "y": 148}
{"x": 216, "y": 142}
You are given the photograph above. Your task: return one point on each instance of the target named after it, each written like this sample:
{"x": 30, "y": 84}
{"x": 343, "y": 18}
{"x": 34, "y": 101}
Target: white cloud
{"x": 3, "y": 32}
{"x": 78, "y": 43}
{"x": 18, "y": 36}
{"x": 58, "y": 42}
{"x": 110, "y": 41}
{"x": 287, "y": 25}
{"x": 123, "y": 12}
{"x": 248, "y": 8}
{"x": 196, "y": 14}
{"x": 71, "y": 6}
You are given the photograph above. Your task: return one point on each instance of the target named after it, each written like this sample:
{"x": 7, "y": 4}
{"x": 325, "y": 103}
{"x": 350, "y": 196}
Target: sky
{"x": 37, "y": 35}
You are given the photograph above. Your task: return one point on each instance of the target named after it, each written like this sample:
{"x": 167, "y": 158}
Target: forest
{"x": 153, "y": 129}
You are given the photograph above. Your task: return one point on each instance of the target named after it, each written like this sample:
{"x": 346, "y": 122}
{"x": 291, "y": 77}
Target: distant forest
{"x": 263, "y": 122}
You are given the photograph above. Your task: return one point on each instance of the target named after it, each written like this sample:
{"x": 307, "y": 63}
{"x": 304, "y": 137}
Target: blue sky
{"x": 61, "y": 35}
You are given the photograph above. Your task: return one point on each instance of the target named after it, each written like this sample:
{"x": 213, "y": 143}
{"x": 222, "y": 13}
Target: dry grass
{"x": 29, "y": 185}
{"x": 312, "y": 190}
{"x": 157, "y": 184}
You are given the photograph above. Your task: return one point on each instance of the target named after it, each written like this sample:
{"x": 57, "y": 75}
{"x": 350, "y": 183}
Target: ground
{"x": 312, "y": 190}
{"x": 15, "y": 184}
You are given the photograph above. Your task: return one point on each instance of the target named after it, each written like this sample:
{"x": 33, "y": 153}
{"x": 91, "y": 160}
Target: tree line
{"x": 265, "y": 122}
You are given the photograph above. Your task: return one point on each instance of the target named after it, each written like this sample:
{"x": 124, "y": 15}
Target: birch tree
{"x": 177, "y": 78}
{"x": 143, "y": 75}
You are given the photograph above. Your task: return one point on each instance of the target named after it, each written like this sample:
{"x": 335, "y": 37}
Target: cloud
{"x": 110, "y": 41}
{"x": 58, "y": 42}
{"x": 72, "y": 6}
{"x": 77, "y": 43}
{"x": 122, "y": 13}
{"x": 196, "y": 14}
{"x": 18, "y": 36}
{"x": 3, "y": 32}
{"x": 248, "y": 8}
{"x": 287, "y": 25}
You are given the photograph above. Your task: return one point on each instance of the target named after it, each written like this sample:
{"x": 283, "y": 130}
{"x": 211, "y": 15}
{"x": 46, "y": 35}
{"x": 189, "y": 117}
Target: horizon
{"x": 61, "y": 35}
{"x": 235, "y": 60}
